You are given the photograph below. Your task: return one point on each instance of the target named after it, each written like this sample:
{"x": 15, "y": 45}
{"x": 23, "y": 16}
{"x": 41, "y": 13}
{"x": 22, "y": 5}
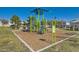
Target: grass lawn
{"x": 9, "y": 42}
{"x": 70, "y": 45}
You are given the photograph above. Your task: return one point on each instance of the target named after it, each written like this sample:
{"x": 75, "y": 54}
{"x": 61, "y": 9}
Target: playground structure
{"x": 39, "y": 26}
{"x": 40, "y": 36}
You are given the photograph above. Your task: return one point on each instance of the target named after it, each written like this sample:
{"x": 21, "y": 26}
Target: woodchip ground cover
{"x": 35, "y": 42}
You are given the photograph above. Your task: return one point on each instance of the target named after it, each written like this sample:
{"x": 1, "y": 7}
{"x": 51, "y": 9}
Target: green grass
{"x": 71, "y": 45}
{"x": 9, "y": 42}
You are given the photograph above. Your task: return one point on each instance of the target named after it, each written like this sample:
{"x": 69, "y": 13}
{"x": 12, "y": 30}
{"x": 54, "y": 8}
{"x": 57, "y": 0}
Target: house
{"x": 67, "y": 25}
{"x": 75, "y": 25}
{"x": 5, "y": 23}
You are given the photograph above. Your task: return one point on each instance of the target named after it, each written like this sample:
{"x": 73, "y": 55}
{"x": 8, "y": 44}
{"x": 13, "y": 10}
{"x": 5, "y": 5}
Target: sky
{"x": 61, "y": 13}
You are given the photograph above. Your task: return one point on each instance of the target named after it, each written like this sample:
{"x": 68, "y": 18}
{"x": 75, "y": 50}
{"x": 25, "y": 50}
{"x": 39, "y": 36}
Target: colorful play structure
{"x": 40, "y": 25}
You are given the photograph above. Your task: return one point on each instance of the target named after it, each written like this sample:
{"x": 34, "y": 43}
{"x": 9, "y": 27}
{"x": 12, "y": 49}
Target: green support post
{"x": 30, "y": 23}
{"x": 54, "y": 31}
{"x": 38, "y": 21}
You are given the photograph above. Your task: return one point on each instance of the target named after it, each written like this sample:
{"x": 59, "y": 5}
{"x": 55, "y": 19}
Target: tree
{"x": 60, "y": 23}
{"x": 16, "y": 21}
{"x": 49, "y": 22}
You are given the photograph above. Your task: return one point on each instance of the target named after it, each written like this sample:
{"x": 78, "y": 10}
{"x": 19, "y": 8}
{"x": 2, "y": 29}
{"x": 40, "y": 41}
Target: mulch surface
{"x": 38, "y": 41}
